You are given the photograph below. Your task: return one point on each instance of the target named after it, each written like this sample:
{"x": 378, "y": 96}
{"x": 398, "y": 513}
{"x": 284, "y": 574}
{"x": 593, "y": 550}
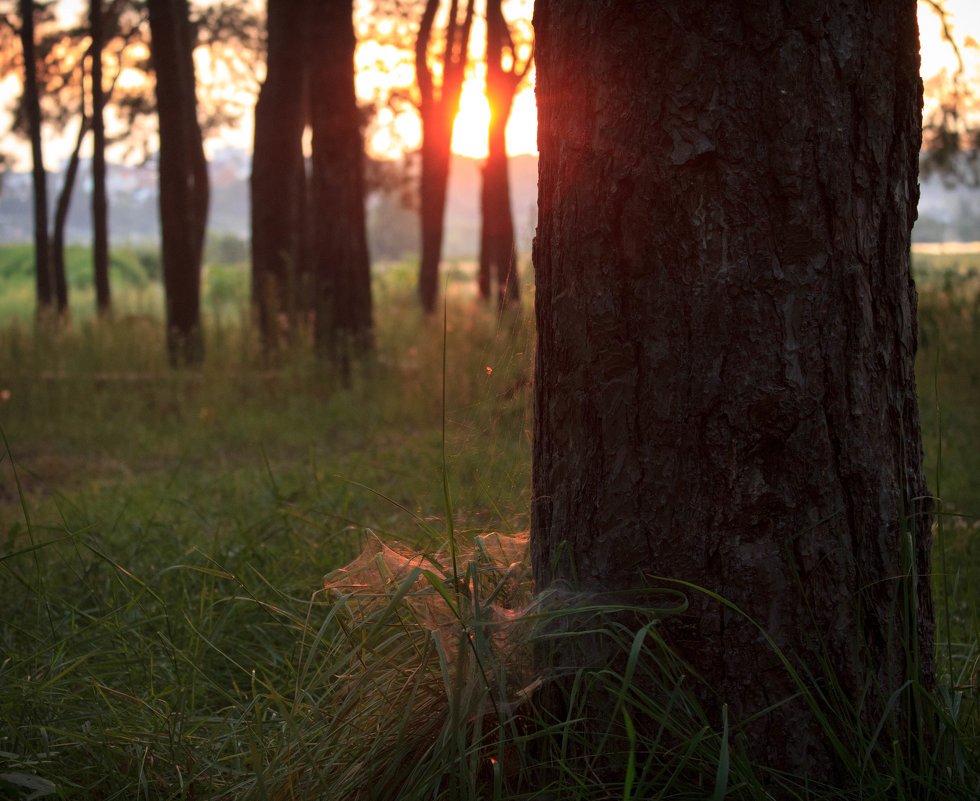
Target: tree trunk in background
{"x": 498, "y": 262}
{"x": 183, "y": 178}
{"x": 726, "y": 332}
{"x": 438, "y": 109}
{"x": 278, "y": 185}
{"x": 434, "y": 182}
{"x": 61, "y": 219}
{"x": 100, "y": 213}
{"x": 42, "y": 261}
{"x": 339, "y": 237}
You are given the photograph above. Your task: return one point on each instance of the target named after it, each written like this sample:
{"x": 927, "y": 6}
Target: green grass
{"x": 134, "y": 271}
{"x": 948, "y": 373}
{"x": 165, "y": 630}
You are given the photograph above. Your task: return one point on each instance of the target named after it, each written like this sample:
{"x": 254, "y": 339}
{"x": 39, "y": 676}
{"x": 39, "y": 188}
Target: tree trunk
{"x": 438, "y": 107}
{"x": 726, "y": 333}
{"x": 100, "y": 214}
{"x": 183, "y": 178}
{"x": 497, "y": 257}
{"x": 61, "y": 219}
{"x": 339, "y": 237}
{"x": 498, "y": 264}
{"x": 42, "y": 262}
{"x": 436, "y": 143}
{"x": 279, "y": 191}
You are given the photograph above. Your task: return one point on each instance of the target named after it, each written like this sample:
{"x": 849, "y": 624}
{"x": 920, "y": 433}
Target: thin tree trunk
{"x": 498, "y": 263}
{"x": 438, "y": 109}
{"x": 183, "y": 178}
{"x": 433, "y": 188}
{"x": 278, "y": 184}
{"x": 497, "y": 256}
{"x": 339, "y": 238}
{"x": 61, "y": 219}
{"x": 100, "y": 214}
{"x": 724, "y": 388}
{"x": 42, "y": 262}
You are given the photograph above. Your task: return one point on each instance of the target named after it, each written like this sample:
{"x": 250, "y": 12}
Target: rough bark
{"x": 100, "y": 212}
{"x": 726, "y": 332}
{"x": 498, "y": 263}
{"x": 183, "y": 177}
{"x": 42, "y": 261}
{"x": 438, "y": 107}
{"x": 339, "y": 234}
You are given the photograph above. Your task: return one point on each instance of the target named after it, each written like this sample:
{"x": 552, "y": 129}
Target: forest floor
{"x": 162, "y": 533}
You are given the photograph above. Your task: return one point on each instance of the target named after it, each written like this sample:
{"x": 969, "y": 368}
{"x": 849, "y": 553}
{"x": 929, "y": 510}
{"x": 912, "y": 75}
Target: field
{"x": 164, "y": 538}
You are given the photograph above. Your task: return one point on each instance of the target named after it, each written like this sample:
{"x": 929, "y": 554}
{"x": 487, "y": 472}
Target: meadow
{"x": 165, "y": 536}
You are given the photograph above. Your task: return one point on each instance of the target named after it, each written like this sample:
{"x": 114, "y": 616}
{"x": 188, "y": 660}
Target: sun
{"x": 472, "y": 122}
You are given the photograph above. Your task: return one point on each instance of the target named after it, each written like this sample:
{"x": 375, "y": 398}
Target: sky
{"x": 392, "y": 132}
{"x": 937, "y": 55}
{"x": 470, "y": 131}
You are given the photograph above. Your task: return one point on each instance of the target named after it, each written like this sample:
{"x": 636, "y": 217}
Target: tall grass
{"x": 174, "y": 625}
{"x": 162, "y": 531}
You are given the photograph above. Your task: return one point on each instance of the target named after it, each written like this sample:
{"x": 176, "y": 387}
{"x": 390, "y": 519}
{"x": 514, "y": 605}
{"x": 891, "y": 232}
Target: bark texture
{"x": 183, "y": 177}
{"x": 438, "y": 106}
{"x": 498, "y": 265}
{"x": 726, "y": 332}
{"x": 339, "y": 231}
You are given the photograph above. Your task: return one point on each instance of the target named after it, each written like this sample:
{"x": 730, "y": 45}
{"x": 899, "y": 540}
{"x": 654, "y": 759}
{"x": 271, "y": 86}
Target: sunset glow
{"x": 472, "y": 122}
{"x": 937, "y": 54}
{"x": 943, "y": 76}
{"x": 391, "y": 133}
{"x": 385, "y": 76}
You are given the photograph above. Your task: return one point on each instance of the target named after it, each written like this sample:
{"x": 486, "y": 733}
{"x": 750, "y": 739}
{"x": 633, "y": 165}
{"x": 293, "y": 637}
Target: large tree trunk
{"x": 726, "y": 332}
{"x": 279, "y": 191}
{"x": 42, "y": 262}
{"x": 100, "y": 213}
{"x": 438, "y": 107}
{"x": 339, "y": 235}
{"x": 183, "y": 178}
{"x": 498, "y": 262}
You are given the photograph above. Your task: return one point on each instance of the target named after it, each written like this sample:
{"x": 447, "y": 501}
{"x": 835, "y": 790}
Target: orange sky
{"x": 392, "y": 133}
{"x": 397, "y": 133}
{"x": 939, "y": 61}
{"x": 380, "y": 66}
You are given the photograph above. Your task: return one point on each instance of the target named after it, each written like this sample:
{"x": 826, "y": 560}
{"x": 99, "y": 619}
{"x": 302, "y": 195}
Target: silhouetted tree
{"x": 311, "y": 226}
{"x": 724, "y": 386}
{"x": 438, "y": 106}
{"x": 66, "y": 60}
{"x": 32, "y": 104}
{"x": 100, "y": 212}
{"x": 61, "y": 217}
{"x": 279, "y": 184}
{"x": 337, "y": 219}
{"x": 183, "y": 177}
{"x": 498, "y": 262}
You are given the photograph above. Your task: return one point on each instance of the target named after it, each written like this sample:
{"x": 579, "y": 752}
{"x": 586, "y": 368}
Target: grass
{"x": 948, "y": 372}
{"x": 167, "y": 631}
